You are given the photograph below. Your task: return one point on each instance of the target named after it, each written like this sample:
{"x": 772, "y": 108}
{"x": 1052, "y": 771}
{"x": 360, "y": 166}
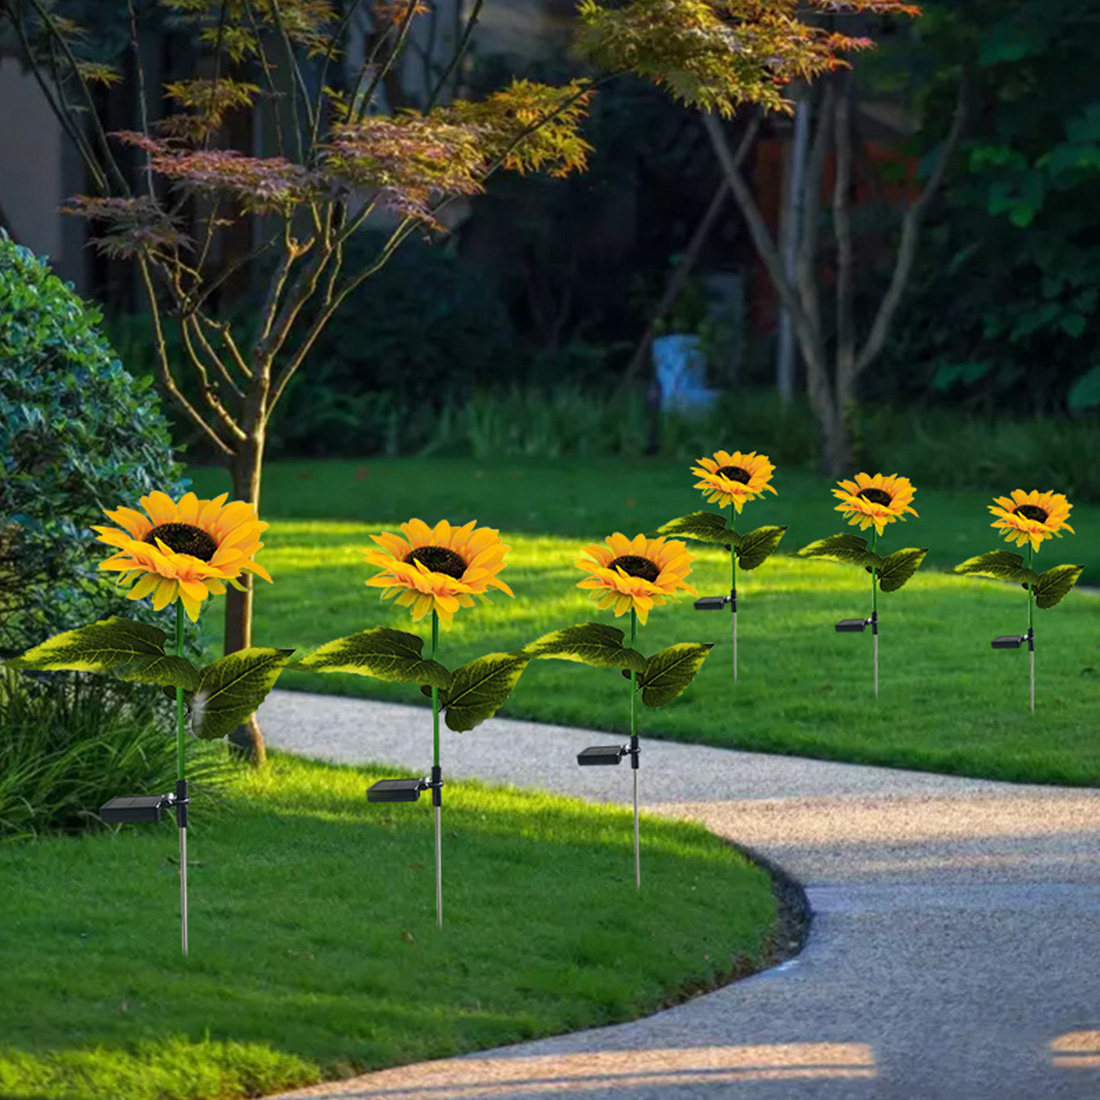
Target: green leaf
{"x": 757, "y": 546}
{"x": 850, "y": 549}
{"x": 1002, "y": 565}
{"x": 1054, "y": 585}
{"x": 1085, "y": 393}
{"x": 233, "y": 687}
{"x": 130, "y": 650}
{"x": 700, "y": 526}
{"x": 479, "y": 689}
{"x": 382, "y": 653}
{"x": 671, "y": 670}
{"x": 589, "y": 643}
{"x": 899, "y": 566}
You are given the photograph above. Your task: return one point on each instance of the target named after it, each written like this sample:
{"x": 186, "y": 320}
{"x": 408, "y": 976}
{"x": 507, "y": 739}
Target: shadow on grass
{"x": 313, "y": 936}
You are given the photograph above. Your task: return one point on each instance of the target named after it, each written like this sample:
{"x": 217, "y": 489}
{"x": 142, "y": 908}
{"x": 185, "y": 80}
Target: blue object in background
{"x": 681, "y": 373}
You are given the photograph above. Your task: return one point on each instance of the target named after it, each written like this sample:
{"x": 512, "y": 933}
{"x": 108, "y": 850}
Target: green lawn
{"x": 949, "y": 702}
{"x": 314, "y": 951}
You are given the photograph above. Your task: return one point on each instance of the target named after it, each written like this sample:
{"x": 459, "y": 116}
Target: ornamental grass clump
{"x": 174, "y": 552}
{"x": 1027, "y": 518}
{"x": 632, "y": 575}
{"x": 440, "y": 570}
{"x": 871, "y": 501}
{"x": 726, "y": 479}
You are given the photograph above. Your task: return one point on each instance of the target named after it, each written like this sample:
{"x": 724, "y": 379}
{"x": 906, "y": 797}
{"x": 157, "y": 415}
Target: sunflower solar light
{"x": 871, "y": 501}
{"x": 632, "y": 575}
{"x": 1027, "y": 518}
{"x": 728, "y": 479}
{"x": 438, "y": 570}
{"x": 176, "y": 553}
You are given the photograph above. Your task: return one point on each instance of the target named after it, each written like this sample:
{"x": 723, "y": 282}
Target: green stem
{"x": 733, "y": 555}
{"x": 1030, "y": 590}
{"x": 633, "y": 676}
{"x": 435, "y": 690}
{"x": 874, "y": 576}
{"x": 180, "y": 733}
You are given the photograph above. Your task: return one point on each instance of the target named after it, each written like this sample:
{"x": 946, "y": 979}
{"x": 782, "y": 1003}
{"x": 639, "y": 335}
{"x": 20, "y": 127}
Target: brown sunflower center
{"x": 735, "y": 473}
{"x": 875, "y": 496}
{"x": 439, "y": 559}
{"x": 184, "y": 538}
{"x": 1031, "y": 511}
{"x": 634, "y": 566}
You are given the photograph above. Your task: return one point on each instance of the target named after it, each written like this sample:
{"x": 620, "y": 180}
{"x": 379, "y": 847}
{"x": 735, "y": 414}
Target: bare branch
{"x": 166, "y": 378}
{"x": 910, "y": 235}
{"x": 363, "y": 95}
{"x": 300, "y": 87}
{"x": 212, "y": 355}
{"x": 842, "y": 228}
{"x": 695, "y": 246}
{"x": 758, "y": 228}
{"x": 209, "y": 391}
{"x": 89, "y": 101}
{"x": 331, "y": 53}
{"x": 59, "y": 110}
{"x": 459, "y": 54}
{"x": 272, "y": 87}
{"x": 223, "y": 330}
{"x": 806, "y": 260}
{"x": 143, "y": 104}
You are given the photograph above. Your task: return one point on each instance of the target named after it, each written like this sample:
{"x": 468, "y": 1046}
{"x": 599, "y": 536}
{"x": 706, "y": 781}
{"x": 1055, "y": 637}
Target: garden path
{"x": 952, "y": 954}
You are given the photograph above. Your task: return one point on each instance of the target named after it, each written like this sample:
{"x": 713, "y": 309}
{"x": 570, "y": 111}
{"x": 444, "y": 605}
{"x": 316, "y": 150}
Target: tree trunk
{"x": 247, "y": 738}
{"x": 836, "y": 446}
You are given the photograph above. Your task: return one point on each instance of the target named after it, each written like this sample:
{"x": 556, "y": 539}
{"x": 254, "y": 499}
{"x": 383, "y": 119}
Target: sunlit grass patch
{"x": 948, "y": 702}
{"x": 314, "y": 951}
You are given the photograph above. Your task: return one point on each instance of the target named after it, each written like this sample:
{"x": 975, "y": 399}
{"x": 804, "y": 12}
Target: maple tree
{"x": 340, "y": 158}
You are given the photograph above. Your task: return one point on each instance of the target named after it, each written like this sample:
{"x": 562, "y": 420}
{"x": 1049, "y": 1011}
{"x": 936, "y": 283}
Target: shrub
{"x": 77, "y": 434}
{"x": 68, "y": 744}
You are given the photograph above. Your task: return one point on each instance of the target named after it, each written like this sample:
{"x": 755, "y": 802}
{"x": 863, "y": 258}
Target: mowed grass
{"x": 948, "y": 701}
{"x": 314, "y": 951}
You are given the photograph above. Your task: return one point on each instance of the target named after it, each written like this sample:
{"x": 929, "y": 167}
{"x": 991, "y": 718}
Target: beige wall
{"x": 30, "y": 163}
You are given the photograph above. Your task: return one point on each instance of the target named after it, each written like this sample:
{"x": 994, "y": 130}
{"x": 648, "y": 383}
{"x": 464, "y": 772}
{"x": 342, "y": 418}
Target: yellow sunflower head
{"x": 438, "y": 568}
{"x": 734, "y": 478}
{"x": 875, "y": 501}
{"x": 1031, "y": 517}
{"x": 183, "y": 551}
{"x": 636, "y": 574}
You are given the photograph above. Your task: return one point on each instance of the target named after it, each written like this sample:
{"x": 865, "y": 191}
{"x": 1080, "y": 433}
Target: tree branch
{"x": 758, "y": 229}
{"x": 166, "y": 378}
{"x": 459, "y": 54}
{"x": 842, "y": 228}
{"x": 683, "y": 269}
{"x": 910, "y": 235}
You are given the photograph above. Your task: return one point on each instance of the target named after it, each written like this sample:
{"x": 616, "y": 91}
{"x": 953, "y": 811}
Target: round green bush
{"x": 77, "y": 434}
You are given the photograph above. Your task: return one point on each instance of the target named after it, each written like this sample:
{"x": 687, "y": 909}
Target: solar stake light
{"x": 1027, "y": 518}
{"x": 600, "y": 755}
{"x": 729, "y": 479}
{"x": 147, "y": 809}
{"x": 468, "y": 694}
{"x": 409, "y": 790}
{"x": 853, "y": 626}
{"x": 398, "y": 790}
{"x": 1016, "y": 641}
{"x": 860, "y": 499}
{"x": 136, "y": 809}
{"x": 656, "y": 680}
{"x": 613, "y": 754}
{"x": 716, "y": 603}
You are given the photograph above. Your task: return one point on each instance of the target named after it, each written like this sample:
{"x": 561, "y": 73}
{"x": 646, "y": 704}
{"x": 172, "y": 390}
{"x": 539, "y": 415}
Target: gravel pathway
{"x": 953, "y": 954}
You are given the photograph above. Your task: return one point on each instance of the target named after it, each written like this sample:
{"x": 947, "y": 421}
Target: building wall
{"x": 31, "y": 164}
